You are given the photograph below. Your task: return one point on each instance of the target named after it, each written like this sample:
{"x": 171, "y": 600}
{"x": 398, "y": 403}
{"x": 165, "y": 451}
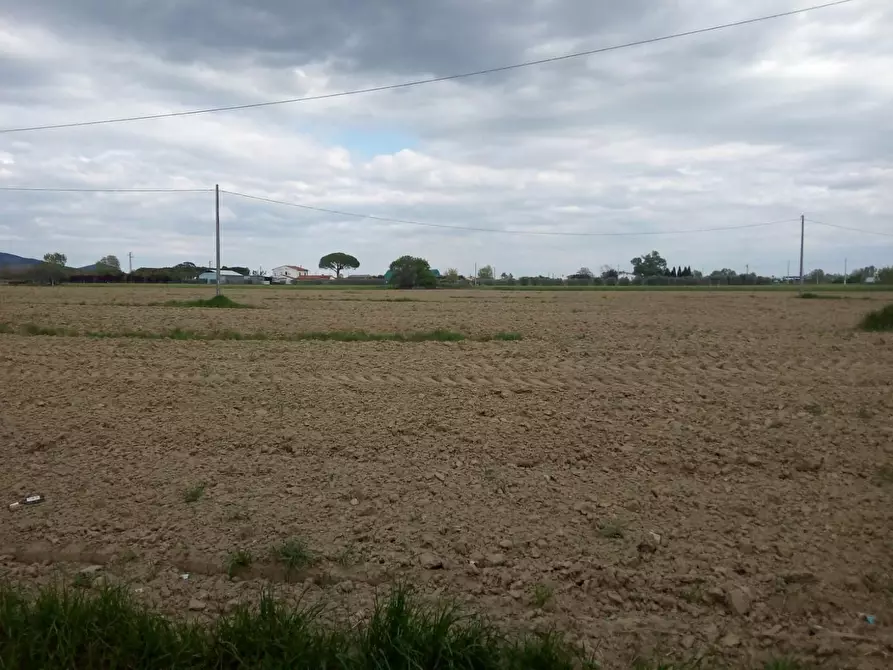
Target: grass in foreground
{"x": 66, "y": 629}
{"x": 106, "y": 628}
{"x": 878, "y": 320}
{"x": 439, "y": 335}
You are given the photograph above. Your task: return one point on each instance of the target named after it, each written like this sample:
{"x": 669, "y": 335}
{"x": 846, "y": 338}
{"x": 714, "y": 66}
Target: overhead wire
{"x": 856, "y": 230}
{"x": 51, "y": 189}
{"x": 426, "y": 224}
{"x": 428, "y": 80}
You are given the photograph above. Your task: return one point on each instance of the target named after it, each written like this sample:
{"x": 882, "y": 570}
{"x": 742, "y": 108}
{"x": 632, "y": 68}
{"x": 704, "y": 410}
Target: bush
{"x": 878, "y": 320}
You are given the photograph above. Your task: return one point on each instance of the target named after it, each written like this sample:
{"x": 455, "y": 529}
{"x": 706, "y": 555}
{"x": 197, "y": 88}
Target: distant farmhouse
{"x": 292, "y": 274}
{"x": 226, "y": 277}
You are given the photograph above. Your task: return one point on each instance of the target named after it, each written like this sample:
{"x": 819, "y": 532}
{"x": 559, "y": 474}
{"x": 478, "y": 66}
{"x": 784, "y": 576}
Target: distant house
{"x": 286, "y": 274}
{"x": 226, "y": 277}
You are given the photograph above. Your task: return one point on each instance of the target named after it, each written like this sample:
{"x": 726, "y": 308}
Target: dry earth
{"x": 679, "y": 474}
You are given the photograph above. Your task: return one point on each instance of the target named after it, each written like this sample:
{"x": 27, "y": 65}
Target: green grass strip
{"x": 439, "y": 335}
{"x": 108, "y": 629}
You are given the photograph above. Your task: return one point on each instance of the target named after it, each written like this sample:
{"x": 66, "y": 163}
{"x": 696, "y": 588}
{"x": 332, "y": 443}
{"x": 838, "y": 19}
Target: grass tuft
{"x": 612, "y": 529}
{"x": 237, "y": 561}
{"x": 879, "y": 320}
{"x": 294, "y": 555}
{"x": 542, "y": 595}
{"x": 884, "y": 475}
{"x": 194, "y": 493}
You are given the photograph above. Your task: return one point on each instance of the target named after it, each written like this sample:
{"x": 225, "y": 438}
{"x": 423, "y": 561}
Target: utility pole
{"x": 802, "y": 235}
{"x": 130, "y": 261}
{"x": 217, "y": 221}
{"x": 789, "y": 269}
{"x": 844, "y": 271}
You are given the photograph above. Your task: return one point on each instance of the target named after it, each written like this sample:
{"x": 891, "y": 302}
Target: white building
{"x": 286, "y": 274}
{"x": 225, "y": 277}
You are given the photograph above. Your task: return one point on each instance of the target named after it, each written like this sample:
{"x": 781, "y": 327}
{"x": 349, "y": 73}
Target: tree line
{"x": 415, "y": 272}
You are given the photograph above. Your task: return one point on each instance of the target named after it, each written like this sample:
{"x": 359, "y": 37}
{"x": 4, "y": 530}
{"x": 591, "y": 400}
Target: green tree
{"x": 485, "y": 272}
{"x": 649, "y": 265}
{"x": 410, "y": 272}
{"x": 53, "y": 268}
{"x": 338, "y": 261}
{"x": 452, "y": 274}
{"x": 55, "y": 258}
{"x": 109, "y": 261}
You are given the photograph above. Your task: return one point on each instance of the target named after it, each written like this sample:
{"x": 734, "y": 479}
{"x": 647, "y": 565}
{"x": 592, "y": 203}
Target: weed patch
{"x": 217, "y": 302}
{"x": 237, "y": 561}
{"x": 879, "y": 320}
{"x": 818, "y": 296}
{"x": 542, "y": 595}
{"x": 293, "y": 554}
{"x": 612, "y": 529}
{"x": 194, "y": 493}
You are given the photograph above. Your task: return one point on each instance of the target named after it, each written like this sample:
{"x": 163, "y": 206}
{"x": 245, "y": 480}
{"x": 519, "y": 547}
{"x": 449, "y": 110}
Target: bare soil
{"x": 670, "y": 474}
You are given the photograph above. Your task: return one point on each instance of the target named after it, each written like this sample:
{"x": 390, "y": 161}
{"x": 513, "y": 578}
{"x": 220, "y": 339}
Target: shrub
{"x": 878, "y": 320}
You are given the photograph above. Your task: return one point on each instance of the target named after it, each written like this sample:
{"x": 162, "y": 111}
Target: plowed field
{"x": 655, "y": 473}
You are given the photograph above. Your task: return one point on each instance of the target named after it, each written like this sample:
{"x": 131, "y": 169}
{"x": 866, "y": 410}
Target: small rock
{"x": 615, "y": 597}
{"x": 799, "y": 577}
{"x": 753, "y": 461}
{"x": 495, "y": 560}
{"x": 231, "y": 605}
{"x": 516, "y": 594}
{"x": 354, "y": 502}
{"x": 813, "y": 464}
{"x": 430, "y": 561}
{"x": 32, "y": 570}
{"x": 460, "y": 547}
{"x": 346, "y": 586}
{"x": 738, "y": 601}
{"x": 730, "y": 640}
{"x": 688, "y": 642}
{"x": 196, "y": 605}
{"x": 91, "y": 570}
{"x": 439, "y": 476}
{"x": 506, "y": 544}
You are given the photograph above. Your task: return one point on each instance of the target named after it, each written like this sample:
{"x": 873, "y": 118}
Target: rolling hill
{"x": 12, "y": 259}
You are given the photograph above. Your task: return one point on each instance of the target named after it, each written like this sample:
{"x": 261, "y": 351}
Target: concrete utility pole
{"x": 217, "y": 220}
{"x": 130, "y": 261}
{"x": 844, "y": 271}
{"x": 802, "y": 235}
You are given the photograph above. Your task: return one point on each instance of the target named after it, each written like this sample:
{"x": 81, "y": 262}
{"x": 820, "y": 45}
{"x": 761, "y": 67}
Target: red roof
{"x": 306, "y": 277}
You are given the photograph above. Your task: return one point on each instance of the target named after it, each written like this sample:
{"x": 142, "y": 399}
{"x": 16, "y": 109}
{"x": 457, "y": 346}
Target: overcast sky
{"x": 741, "y": 126}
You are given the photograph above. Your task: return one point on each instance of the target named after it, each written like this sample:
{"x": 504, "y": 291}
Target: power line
{"x": 494, "y": 230}
{"x": 105, "y": 190}
{"x": 430, "y": 80}
{"x": 857, "y": 230}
